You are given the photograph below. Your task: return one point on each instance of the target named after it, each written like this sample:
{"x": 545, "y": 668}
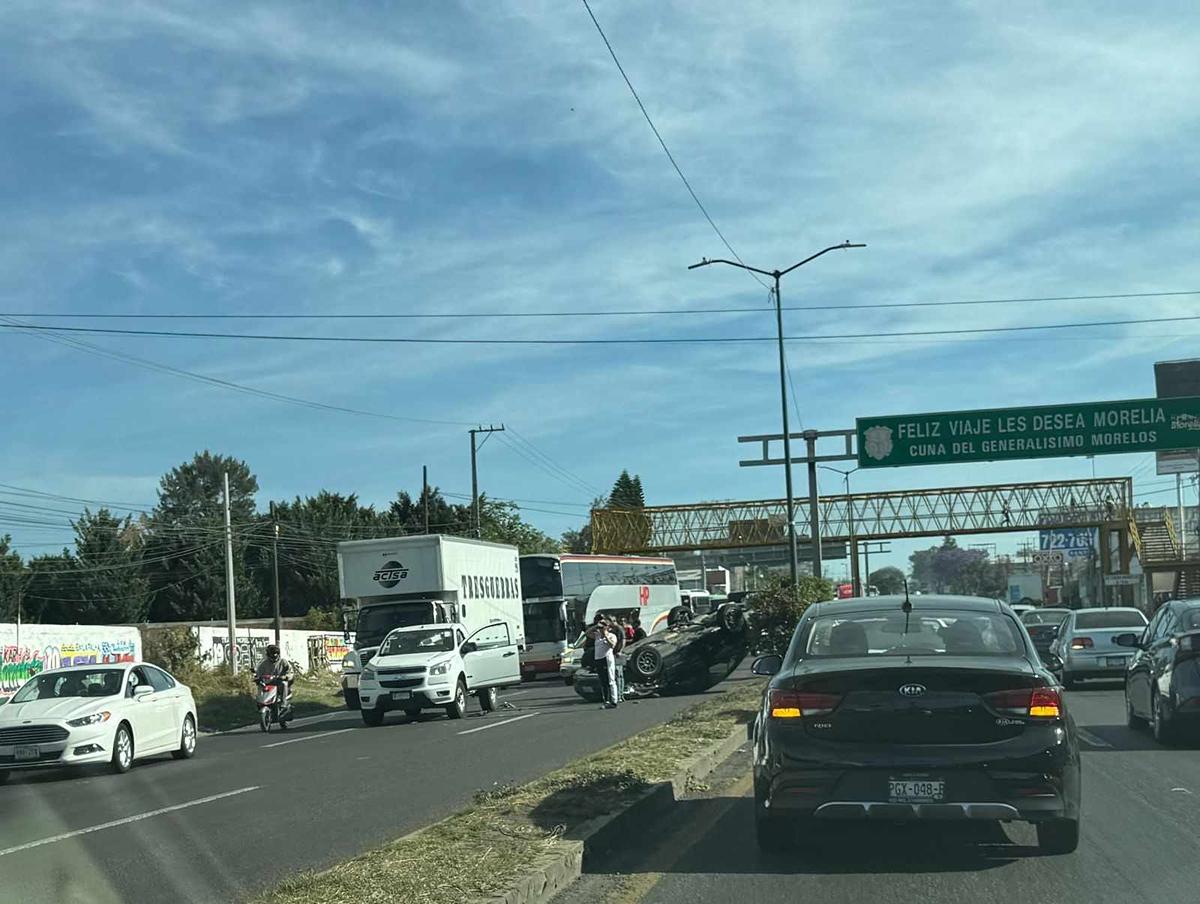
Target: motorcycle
{"x": 271, "y": 707}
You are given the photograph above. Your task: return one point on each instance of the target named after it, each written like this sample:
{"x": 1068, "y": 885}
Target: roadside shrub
{"x": 175, "y": 649}
{"x": 777, "y": 610}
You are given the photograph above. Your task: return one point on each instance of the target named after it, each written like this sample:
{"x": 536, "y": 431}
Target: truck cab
{"x": 437, "y": 666}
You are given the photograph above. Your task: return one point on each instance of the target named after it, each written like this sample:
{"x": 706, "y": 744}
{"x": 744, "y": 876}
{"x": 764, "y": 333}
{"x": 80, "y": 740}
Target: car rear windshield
{"x": 1051, "y": 617}
{"x": 84, "y": 683}
{"x": 929, "y": 633}
{"x": 1107, "y": 618}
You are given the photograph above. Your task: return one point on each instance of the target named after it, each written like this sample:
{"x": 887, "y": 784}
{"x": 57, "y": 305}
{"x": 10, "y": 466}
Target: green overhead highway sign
{"x": 1045, "y": 431}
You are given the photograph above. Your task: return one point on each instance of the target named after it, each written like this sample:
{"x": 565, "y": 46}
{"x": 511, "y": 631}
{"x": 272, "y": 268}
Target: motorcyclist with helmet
{"x": 275, "y": 669}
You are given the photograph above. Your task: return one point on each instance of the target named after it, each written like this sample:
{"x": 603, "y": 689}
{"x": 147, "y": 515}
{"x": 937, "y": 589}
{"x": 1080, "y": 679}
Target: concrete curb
{"x": 553, "y": 871}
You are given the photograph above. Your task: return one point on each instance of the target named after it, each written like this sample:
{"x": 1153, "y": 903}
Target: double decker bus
{"x": 562, "y": 594}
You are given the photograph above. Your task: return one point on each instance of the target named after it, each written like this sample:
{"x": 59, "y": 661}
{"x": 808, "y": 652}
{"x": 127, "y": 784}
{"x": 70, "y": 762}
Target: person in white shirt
{"x": 605, "y": 643}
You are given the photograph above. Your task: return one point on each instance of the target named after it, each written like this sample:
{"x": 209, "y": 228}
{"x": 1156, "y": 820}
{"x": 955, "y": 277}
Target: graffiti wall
{"x": 306, "y": 650}
{"x": 43, "y": 647}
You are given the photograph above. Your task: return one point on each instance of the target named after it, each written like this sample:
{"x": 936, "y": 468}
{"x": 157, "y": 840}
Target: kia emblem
{"x": 912, "y": 690}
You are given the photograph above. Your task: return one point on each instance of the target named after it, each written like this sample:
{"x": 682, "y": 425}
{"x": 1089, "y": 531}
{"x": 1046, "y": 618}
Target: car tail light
{"x": 1081, "y": 643}
{"x": 785, "y": 704}
{"x": 1036, "y": 702}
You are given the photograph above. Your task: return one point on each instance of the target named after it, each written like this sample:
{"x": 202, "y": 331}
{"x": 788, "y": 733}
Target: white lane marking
{"x": 1092, "y": 739}
{"x": 1181, "y": 790}
{"x": 498, "y": 724}
{"x": 311, "y": 737}
{"x": 128, "y": 819}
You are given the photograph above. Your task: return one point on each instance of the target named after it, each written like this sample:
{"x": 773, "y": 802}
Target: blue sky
{"x": 480, "y": 157}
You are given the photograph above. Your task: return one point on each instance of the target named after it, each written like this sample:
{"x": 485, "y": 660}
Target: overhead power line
{"x": 90, "y": 348}
{"x": 663, "y": 144}
{"x": 665, "y": 312}
{"x": 630, "y": 340}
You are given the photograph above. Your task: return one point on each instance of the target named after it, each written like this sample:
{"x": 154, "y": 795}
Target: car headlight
{"x": 94, "y": 718}
{"x": 440, "y": 669}
{"x": 350, "y": 661}
{"x": 368, "y": 674}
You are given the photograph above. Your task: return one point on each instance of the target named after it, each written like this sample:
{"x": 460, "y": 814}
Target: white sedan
{"x": 90, "y": 714}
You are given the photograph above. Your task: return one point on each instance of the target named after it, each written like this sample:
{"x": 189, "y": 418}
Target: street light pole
{"x": 776, "y": 275}
{"x": 855, "y": 577}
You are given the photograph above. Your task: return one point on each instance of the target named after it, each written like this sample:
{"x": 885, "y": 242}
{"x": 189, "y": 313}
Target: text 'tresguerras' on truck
{"x": 460, "y": 597}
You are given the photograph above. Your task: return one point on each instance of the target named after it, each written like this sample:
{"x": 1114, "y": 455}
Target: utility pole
{"x": 787, "y": 442}
{"x": 855, "y": 577}
{"x": 275, "y": 557}
{"x": 230, "y": 601}
{"x": 814, "y": 502}
{"x": 475, "y": 471}
{"x": 425, "y": 492}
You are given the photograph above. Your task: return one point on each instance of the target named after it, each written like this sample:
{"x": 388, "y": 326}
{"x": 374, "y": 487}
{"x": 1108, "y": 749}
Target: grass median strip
{"x": 225, "y": 701}
{"x": 482, "y": 850}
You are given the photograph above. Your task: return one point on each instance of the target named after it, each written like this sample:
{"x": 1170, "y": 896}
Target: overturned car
{"x": 685, "y": 659}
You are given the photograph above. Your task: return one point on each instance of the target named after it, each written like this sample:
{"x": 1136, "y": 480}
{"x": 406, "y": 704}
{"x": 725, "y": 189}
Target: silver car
{"x": 1087, "y": 645}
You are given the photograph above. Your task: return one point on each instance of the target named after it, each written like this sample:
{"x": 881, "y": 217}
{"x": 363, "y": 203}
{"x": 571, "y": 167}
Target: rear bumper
{"x": 1076, "y": 666}
{"x": 1005, "y": 781}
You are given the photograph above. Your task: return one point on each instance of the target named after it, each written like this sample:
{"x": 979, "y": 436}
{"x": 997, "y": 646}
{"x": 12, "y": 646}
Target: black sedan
{"x": 687, "y": 658}
{"x": 1162, "y": 682}
{"x": 934, "y": 709}
{"x": 1043, "y": 626}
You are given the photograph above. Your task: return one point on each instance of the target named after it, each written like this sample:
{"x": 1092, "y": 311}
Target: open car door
{"x": 493, "y": 660}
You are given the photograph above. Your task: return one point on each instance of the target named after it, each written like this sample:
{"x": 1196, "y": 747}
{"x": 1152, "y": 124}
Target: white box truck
{"x": 463, "y": 594}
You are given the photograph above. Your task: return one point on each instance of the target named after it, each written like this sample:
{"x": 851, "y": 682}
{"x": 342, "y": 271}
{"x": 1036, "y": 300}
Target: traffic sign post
{"x": 1044, "y": 431}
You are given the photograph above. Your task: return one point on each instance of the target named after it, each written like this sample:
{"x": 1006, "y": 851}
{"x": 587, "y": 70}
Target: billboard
{"x": 1173, "y": 379}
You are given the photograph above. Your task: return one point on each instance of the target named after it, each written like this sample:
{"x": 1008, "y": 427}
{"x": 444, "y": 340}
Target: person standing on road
{"x": 605, "y": 644}
{"x": 639, "y": 633}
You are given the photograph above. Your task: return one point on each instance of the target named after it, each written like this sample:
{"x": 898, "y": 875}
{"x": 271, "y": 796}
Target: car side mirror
{"x": 469, "y": 647}
{"x": 767, "y": 665}
{"x": 142, "y": 690}
{"x": 1128, "y": 639}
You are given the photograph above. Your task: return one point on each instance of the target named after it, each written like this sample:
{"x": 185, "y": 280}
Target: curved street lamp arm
{"x": 818, "y": 254}
{"x": 706, "y": 262}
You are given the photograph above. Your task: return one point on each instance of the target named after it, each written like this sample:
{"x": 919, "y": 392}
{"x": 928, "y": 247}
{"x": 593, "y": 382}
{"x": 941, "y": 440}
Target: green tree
{"x": 777, "y": 608}
{"x": 185, "y": 545}
{"x": 581, "y": 540}
{"x": 109, "y": 582}
{"x": 627, "y": 493}
{"x": 501, "y": 522}
{"x": 951, "y": 569}
{"x": 309, "y": 530}
{"x": 52, "y": 589}
{"x": 12, "y": 577}
{"x": 408, "y": 514}
{"x": 888, "y": 579}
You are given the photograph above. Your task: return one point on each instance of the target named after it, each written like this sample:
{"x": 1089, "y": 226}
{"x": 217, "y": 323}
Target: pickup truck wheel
{"x": 488, "y": 700}
{"x": 372, "y": 717}
{"x": 351, "y": 695}
{"x": 458, "y": 708}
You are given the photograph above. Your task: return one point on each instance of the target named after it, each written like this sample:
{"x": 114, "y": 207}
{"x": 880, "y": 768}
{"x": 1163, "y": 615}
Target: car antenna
{"x": 906, "y": 606}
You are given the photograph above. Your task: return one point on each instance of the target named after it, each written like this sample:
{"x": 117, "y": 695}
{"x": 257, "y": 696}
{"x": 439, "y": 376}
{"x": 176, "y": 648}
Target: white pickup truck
{"x": 437, "y": 667}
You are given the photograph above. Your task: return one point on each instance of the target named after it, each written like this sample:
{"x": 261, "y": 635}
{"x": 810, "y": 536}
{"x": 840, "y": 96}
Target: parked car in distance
{"x": 1162, "y": 683}
{"x": 922, "y": 709}
{"x": 1087, "y": 643}
{"x": 96, "y": 714}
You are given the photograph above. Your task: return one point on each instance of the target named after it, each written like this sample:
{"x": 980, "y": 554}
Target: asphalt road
{"x": 1141, "y": 821}
{"x": 323, "y": 791}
